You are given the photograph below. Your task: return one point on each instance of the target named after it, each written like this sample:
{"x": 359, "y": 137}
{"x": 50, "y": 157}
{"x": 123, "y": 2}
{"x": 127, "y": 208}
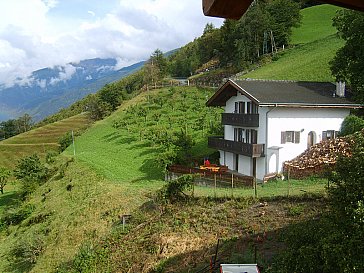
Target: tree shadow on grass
{"x": 8, "y": 199}
{"x": 117, "y": 138}
{"x": 151, "y": 170}
{"x": 239, "y": 250}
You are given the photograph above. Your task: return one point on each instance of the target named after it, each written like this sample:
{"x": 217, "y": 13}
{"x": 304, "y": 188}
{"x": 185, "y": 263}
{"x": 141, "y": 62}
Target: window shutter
{"x": 283, "y": 137}
{"x": 297, "y": 137}
{"x": 324, "y": 135}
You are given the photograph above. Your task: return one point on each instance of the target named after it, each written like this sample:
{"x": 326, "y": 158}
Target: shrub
{"x": 174, "y": 190}
{"x": 65, "y": 141}
{"x": 31, "y": 173}
{"x": 351, "y": 124}
{"x": 27, "y": 250}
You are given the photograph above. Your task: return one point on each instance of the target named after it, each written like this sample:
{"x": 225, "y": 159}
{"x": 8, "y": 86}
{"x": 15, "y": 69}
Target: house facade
{"x": 269, "y": 122}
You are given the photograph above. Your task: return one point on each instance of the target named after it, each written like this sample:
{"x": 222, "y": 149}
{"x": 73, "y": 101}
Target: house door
{"x": 311, "y": 139}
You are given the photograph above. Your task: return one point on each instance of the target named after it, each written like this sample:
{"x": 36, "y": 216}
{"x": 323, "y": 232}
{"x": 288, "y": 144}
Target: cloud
{"x": 37, "y": 33}
{"x": 66, "y": 73}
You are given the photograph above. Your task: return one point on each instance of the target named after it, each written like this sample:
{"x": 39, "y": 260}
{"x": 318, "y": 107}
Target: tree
{"x": 24, "y": 123}
{"x": 348, "y": 64}
{"x": 351, "y": 124}
{"x": 97, "y": 109}
{"x": 285, "y": 14}
{"x": 4, "y": 176}
{"x": 156, "y": 67}
{"x": 347, "y": 201}
{"x": 111, "y": 95}
{"x": 31, "y": 173}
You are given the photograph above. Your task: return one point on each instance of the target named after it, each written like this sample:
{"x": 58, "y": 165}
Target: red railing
{"x": 236, "y": 180}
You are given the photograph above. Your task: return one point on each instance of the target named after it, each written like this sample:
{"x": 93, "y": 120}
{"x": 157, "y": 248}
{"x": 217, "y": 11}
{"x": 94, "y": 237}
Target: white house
{"x": 269, "y": 122}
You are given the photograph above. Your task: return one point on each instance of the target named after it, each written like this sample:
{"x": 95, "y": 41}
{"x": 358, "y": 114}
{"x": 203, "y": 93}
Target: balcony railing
{"x": 251, "y": 150}
{"x": 244, "y": 120}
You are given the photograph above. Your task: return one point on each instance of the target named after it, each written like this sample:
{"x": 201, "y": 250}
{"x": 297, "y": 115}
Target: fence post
{"x": 232, "y": 185}
{"x": 215, "y": 185}
{"x": 255, "y": 187}
{"x": 289, "y": 179}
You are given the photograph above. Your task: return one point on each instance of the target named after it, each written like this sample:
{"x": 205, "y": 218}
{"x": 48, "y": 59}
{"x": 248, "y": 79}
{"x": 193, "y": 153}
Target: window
{"x": 329, "y": 134}
{"x": 239, "y": 107}
{"x": 290, "y": 137}
{"x": 239, "y": 134}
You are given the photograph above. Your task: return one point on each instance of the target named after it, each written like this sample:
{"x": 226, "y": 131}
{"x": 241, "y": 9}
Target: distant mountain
{"x": 48, "y": 90}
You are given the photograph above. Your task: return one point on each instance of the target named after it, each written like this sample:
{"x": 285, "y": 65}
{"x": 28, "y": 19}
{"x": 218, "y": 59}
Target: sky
{"x": 35, "y": 34}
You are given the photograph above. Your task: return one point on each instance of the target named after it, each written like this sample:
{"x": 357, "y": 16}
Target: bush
{"x": 27, "y": 250}
{"x": 15, "y": 216}
{"x": 31, "y": 172}
{"x": 65, "y": 141}
{"x": 174, "y": 190}
{"x": 351, "y": 124}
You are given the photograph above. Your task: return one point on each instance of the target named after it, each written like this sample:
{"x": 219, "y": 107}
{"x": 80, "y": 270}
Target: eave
{"x": 234, "y": 9}
{"x": 225, "y": 92}
{"x": 306, "y": 105}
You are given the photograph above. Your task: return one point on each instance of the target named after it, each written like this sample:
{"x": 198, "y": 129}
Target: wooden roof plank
{"x": 234, "y": 9}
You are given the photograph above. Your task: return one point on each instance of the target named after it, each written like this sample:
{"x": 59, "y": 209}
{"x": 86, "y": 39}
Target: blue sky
{"x": 44, "y": 33}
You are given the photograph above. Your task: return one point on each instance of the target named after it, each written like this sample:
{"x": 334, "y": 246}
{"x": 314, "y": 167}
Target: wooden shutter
{"x": 283, "y": 137}
{"x": 297, "y": 137}
{"x": 324, "y": 135}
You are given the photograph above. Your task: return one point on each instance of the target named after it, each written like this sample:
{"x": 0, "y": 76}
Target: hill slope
{"x": 50, "y": 89}
{"x": 315, "y": 44}
{"x": 40, "y": 140}
{"x": 72, "y": 223}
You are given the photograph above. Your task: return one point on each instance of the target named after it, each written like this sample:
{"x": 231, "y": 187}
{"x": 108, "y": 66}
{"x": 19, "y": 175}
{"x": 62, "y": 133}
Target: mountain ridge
{"x": 42, "y": 93}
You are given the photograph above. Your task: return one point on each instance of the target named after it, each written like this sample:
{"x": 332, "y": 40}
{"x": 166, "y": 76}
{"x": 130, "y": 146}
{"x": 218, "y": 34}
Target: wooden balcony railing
{"x": 251, "y": 150}
{"x": 243, "y": 120}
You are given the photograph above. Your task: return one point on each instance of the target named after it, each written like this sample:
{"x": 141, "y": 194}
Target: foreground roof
{"x": 282, "y": 94}
{"x": 234, "y": 9}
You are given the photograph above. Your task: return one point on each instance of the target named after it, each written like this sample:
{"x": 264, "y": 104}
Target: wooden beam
{"x": 231, "y": 9}
{"x": 350, "y": 4}
{"x": 234, "y": 9}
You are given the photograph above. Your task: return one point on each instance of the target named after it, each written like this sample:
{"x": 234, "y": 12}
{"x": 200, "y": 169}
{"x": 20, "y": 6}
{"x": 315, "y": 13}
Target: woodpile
{"x": 319, "y": 158}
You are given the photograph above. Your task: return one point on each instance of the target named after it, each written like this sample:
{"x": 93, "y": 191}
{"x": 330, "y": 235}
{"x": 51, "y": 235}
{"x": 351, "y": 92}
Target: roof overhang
{"x": 231, "y": 88}
{"x": 307, "y": 105}
{"x": 225, "y": 92}
{"x": 234, "y": 9}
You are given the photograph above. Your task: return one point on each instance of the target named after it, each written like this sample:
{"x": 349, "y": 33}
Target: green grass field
{"x": 308, "y": 62}
{"x": 39, "y": 140}
{"x": 316, "y": 24}
{"x": 315, "y": 46}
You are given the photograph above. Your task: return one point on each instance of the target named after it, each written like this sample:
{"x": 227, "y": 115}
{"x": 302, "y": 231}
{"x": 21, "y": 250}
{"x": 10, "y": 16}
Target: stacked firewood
{"x": 318, "y": 158}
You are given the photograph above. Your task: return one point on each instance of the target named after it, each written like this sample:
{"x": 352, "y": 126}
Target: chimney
{"x": 340, "y": 89}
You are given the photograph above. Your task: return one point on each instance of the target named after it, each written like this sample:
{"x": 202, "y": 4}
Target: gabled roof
{"x": 234, "y": 9}
{"x": 282, "y": 93}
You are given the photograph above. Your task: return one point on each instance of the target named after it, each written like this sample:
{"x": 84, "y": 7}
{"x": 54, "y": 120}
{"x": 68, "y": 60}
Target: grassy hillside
{"x": 39, "y": 140}
{"x": 316, "y": 24}
{"x": 73, "y": 221}
{"x": 315, "y": 44}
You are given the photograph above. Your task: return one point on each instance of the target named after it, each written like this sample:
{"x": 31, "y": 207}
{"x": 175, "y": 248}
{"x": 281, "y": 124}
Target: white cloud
{"x": 91, "y": 12}
{"x": 65, "y": 74}
{"x": 37, "y": 33}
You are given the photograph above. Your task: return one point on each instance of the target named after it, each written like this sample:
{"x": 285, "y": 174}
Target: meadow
{"x": 314, "y": 44}
{"x": 39, "y": 140}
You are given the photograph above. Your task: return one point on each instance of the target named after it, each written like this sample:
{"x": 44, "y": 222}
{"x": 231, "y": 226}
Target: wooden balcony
{"x": 251, "y": 150}
{"x": 243, "y": 120}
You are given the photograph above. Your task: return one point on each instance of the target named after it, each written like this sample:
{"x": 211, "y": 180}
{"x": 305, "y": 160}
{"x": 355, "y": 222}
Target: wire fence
{"x": 227, "y": 184}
